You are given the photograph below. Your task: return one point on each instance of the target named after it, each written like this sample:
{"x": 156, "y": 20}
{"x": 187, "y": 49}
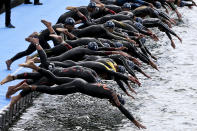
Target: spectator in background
{"x": 7, "y": 12}
{"x": 36, "y": 2}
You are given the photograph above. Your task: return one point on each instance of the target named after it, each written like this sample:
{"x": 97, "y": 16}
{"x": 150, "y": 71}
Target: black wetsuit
{"x": 128, "y": 28}
{"x": 74, "y": 15}
{"x": 83, "y": 41}
{"x": 96, "y": 31}
{"x": 77, "y": 54}
{"x": 102, "y": 12}
{"x": 122, "y": 21}
{"x": 118, "y": 17}
{"x": 57, "y": 50}
{"x": 43, "y": 38}
{"x": 144, "y": 11}
{"x": 154, "y": 22}
{"x": 120, "y": 60}
{"x": 115, "y": 8}
{"x": 74, "y": 72}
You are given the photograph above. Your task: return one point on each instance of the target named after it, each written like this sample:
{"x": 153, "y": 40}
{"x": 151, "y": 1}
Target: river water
{"x": 166, "y": 102}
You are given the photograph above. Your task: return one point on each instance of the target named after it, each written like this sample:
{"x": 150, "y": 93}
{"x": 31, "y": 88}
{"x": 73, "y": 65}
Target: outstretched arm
{"x": 130, "y": 117}
{"x": 121, "y": 85}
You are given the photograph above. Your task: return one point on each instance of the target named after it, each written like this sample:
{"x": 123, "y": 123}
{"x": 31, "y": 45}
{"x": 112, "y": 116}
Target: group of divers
{"x": 107, "y": 43}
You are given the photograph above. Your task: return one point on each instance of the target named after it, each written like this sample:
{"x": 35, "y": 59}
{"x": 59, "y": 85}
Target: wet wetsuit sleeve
{"x": 166, "y": 28}
{"x": 130, "y": 33}
{"x": 124, "y": 61}
{"x": 121, "y": 85}
{"x": 124, "y": 26}
{"x": 118, "y": 75}
{"x": 169, "y": 36}
{"x": 137, "y": 68}
{"x": 164, "y": 15}
{"x": 126, "y": 112}
{"x": 100, "y": 53}
{"x": 113, "y": 36}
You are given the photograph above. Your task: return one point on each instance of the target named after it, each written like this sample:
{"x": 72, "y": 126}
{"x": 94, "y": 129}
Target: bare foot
{"x": 14, "y": 100}
{"x": 28, "y": 58}
{"x": 46, "y": 23}
{"x": 61, "y": 29}
{"x": 173, "y": 45}
{"x": 36, "y": 60}
{"x": 8, "y": 63}
{"x": 28, "y": 39}
{"x": 57, "y": 37}
{"x": 34, "y": 34}
{"x": 29, "y": 64}
{"x": 22, "y": 86}
{"x": 7, "y": 79}
{"x": 11, "y": 91}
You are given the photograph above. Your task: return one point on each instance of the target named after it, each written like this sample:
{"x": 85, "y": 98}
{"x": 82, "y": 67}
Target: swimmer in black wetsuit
{"x": 153, "y": 13}
{"x": 154, "y": 22}
{"x": 69, "y": 86}
{"x": 101, "y": 31}
{"x": 74, "y": 13}
{"x": 102, "y": 11}
{"x": 120, "y": 60}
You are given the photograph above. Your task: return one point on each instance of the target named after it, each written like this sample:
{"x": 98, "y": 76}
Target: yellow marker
{"x": 111, "y": 65}
{"x": 70, "y": 7}
{"x": 106, "y": 66}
